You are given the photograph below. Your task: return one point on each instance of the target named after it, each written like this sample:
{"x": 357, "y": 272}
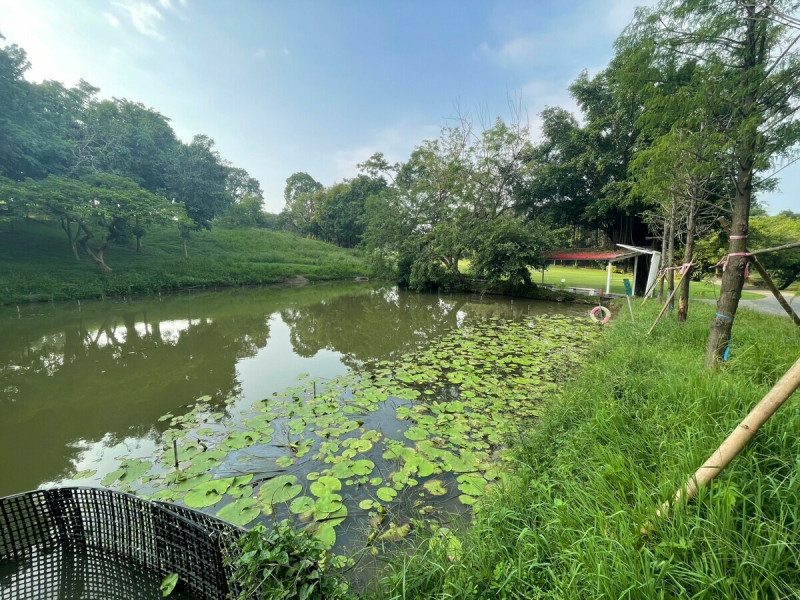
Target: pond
{"x": 316, "y": 402}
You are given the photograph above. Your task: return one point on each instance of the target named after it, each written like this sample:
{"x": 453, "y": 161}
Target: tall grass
{"x": 36, "y": 264}
{"x": 618, "y": 441}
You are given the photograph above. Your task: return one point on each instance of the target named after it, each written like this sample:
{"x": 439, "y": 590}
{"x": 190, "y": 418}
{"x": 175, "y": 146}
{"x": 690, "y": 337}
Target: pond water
{"x": 314, "y": 402}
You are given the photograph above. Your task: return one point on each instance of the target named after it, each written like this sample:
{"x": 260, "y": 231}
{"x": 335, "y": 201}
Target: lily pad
{"x": 386, "y": 494}
{"x": 206, "y": 494}
{"x": 302, "y": 504}
{"x": 416, "y": 434}
{"x": 325, "y": 486}
{"x": 279, "y": 489}
{"x": 241, "y": 512}
{"x": 435, "y": 487}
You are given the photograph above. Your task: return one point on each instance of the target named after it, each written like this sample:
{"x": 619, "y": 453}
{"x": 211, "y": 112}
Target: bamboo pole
{"x": 776, "y": 248}
{"x": 652, "y": 288}
{"x": 734, "y": 443}
{"x": 663, "y": 310}
{"x": 774, "y": 289}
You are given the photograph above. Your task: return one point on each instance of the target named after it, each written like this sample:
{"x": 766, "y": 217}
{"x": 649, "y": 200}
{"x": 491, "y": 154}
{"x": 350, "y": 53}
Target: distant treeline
{"x": 107, "y": 168}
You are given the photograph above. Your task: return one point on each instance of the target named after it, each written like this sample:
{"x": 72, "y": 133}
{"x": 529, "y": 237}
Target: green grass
{"x": 36, "y": 263}
{"x": 596, "y": 278}
{"x": 638, "y": 419}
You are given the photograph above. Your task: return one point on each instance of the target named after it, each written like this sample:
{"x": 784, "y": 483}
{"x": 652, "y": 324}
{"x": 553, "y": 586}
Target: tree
{"x": 506, "y": 248}
{"x": 96, "y": 211}
{"x": 580, "y": 172}
{"x": 239, "y": 184}
{"x": 754, "y": 75}
{"x": 339, "y": 210}
{"x": 770, "y": 232}
{"x": 198, "y": 178}
{"x": 301, "y": 202}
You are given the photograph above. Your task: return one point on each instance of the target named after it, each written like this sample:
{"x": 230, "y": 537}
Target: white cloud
{"x": 560, "y": 39}
{"x": 114, "y": 21}
{"x": 395, "y": 142}
{"x": 144, "y": 16}
{"x": 539, "y": 94}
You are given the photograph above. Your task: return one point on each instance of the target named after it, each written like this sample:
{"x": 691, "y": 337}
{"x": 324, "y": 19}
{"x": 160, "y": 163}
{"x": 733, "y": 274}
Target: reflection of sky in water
{"x": 102, "y": 455}
{"x": 170, "y": 332}
{"x": 275, "y": 368}
{"x": 82, "y": 389}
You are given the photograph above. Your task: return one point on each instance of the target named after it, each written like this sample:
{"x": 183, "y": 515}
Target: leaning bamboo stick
{"x": 663, "y": 310}
{"x": 774, "y": 289}
{"x": 652, "y": 288}
{"x": 776, "y": 248}
{"x": 734, "y": 443}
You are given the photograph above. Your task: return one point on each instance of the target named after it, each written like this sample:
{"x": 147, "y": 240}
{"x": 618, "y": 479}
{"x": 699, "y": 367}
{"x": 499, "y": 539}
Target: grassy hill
{"x": 36, "y": 263}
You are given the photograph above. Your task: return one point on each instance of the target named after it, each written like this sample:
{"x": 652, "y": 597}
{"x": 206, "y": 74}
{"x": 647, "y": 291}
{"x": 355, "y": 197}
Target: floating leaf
{"x": 386, "y": 494}
{"x": 435, "y": 487}
{"x": 239, "y": 440}
{"x": 468, "y": 500}
{"x": 206, "y": 494}
{"x": 395, "y": 533}
{"x": 367, "y": 504}
{"x": 284, "y": 461}
{"x": 129, "y": 471}
{"x": 327, "y": 504}
{"x": 416, "y": 434}
{"x": 241, "y": 512}
{"x": 302, "y": 504}
{"x": 279, "y": 489}
{"x": 325, "y": 533}
{"x": 325, "y": 486}
{"x": 471, "y": 484}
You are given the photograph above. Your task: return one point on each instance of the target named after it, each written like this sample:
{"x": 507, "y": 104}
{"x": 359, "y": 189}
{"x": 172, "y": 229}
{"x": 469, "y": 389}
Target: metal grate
{"x": 97, "y": 543}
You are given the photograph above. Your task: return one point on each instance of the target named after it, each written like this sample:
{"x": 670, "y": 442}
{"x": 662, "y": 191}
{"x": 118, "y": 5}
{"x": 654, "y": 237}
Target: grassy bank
{"x": 640, "y": 417}
{"x": 36, "y": 263}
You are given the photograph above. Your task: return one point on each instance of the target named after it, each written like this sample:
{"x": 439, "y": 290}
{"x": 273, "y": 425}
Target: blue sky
{"x": 320, "y": 86}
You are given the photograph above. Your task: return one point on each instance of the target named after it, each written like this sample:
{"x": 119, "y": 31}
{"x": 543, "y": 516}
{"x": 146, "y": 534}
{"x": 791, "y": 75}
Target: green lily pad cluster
{"x": 310, "y": 450}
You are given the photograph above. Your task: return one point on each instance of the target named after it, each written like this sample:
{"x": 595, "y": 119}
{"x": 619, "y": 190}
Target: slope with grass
{"x": 36, "y": 264}
{"x": 641, "y": 416}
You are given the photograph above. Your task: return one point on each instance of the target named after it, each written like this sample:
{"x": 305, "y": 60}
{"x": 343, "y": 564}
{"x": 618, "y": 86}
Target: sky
{"x": 319, "y": 86}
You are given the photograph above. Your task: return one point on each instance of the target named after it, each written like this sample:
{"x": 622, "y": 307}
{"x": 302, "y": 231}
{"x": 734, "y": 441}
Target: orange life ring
{"x": 601, "y": 309}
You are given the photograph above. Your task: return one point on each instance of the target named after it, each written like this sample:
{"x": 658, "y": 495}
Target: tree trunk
{"x": 138, "y": 243}
{"x": 671, "y": 255}
{"x": 66, "y": 225}
{"x": 97, "y": 256}
{"x": 186, "y": 248}
{"x": 691, "y": 228}
{"x": 733, "y": 277}
{"x": 663, "y": 261}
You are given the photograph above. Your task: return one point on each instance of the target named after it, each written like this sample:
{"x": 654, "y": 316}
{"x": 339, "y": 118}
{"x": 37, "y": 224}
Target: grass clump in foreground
{"x": 37, "y": 265}
{"x": 641, "y": 416}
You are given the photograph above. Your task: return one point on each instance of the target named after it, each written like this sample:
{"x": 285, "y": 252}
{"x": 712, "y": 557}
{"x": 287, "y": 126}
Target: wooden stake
{"x": 776, "y": 248}
{"x": 663, "y": 310}
{"x": 774, "y": 289}
{"x": 652, "y": 288}
{"x": 734, "y": 443}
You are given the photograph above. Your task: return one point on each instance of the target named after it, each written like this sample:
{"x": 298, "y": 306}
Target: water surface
{"x": 83, "y": 383}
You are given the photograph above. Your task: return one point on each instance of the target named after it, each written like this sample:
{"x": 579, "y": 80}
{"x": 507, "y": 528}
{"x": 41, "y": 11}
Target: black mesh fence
{"x": 87, "y": 543}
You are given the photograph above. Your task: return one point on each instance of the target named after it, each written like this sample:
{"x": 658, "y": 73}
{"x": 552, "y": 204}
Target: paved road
{"x": 769, "y": 304}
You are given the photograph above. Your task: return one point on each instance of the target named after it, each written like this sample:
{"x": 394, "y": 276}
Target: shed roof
{"x": 588, "y": 255}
